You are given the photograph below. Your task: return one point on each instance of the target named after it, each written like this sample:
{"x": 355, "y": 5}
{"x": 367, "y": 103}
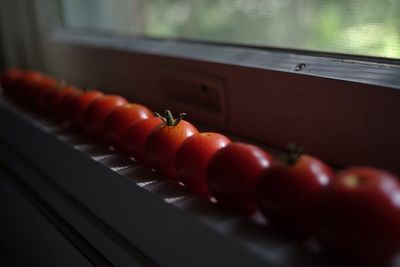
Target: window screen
{"x": 358, "y": 27}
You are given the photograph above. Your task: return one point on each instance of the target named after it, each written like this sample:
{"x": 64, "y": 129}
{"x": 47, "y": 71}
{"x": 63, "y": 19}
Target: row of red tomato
{"x": 354, "y": 213}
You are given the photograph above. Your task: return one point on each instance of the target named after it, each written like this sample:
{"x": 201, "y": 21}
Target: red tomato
{"x": 362, "y": 216}
{"x": 24, "y": 88}
{"x": 50, "y": 97}
{"x": 9, "y": 79}
{"x": 97, "y": 112}
{"x": 80, "y": 104}
{"x": 289, "y": 194}
{"x": 69, "y": 104}
{"x": 120, "y": 120}
{"x": 65, "y": 96}
{"x": 164, "y": 141}
{"x": 232, "y": 175}
{"x": 42, "y": 89}
{"x": 55, "y": 98}
{"x": 136, "y": 138}
{"x": 193, "y": 157}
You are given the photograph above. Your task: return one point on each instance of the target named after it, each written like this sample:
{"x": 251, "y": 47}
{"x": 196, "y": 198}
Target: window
{"x": 332, "y": 104}
{"x": 342, "y": 109}
{"x": 365, "y": 28}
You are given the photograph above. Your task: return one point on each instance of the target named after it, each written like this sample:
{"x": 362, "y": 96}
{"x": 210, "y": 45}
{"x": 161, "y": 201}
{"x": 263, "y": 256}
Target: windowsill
{"x": 128, "y": 212}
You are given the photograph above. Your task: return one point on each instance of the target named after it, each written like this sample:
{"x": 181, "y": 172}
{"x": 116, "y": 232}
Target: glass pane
{"x": 102, "y": 15}
{"x": 359, "y": 27}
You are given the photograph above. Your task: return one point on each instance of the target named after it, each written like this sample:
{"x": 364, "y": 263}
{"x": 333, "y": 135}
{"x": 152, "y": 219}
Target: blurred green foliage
{"x": 361, "y": 27}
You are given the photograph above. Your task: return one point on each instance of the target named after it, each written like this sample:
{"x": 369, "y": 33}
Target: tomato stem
{"x": 169, "y": 119}
{"x": 161, "y": 117}
{"x": 90, "y": 87}
{"x": 60, "y": 84}
{"x": 294, "y": 152}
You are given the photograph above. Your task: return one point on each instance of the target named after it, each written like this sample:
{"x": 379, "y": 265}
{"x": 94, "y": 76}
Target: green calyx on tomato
{"x": 89, "y": 87}
{"x": 294, "y": 152}
{"x": 169, "y": 119}
{"x": 60, "y": 84}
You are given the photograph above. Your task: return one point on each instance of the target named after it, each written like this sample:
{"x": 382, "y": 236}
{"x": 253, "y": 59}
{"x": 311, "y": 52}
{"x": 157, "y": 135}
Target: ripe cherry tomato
{"x": 120, "y": 120}
{"x": 136, "y": 138}
{"x": 44, "y": 87}
{"x": 80, "y": 104}
{"x": 65, "y": 96}
{"x": 97, "y": 112}
{"x": 362, "y": 216}
{"x": 25, "y": 85}
{"x": 164, "y": 141}
{"x": 193, "y": 157}
{"x": 69, "y": 104}
{"x": 232, "y": 175}
{"x": 9, "y": 79}
{"x": 51, "y": 96}
{"x": 289, "y": 194}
